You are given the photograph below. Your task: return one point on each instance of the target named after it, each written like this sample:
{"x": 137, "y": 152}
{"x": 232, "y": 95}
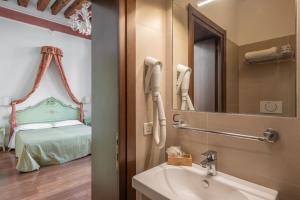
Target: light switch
{"x": 148, "y": 127}
{"x": 274, "y": 107}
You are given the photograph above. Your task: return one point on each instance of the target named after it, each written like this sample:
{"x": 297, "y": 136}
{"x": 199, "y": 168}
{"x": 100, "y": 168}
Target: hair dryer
{"x": 182, "y": 87}
{"x": 152, "y": 85}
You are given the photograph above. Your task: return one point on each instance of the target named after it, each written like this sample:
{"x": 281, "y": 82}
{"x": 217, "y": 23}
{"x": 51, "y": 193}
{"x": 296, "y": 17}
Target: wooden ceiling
{"x": 56, "y": 7}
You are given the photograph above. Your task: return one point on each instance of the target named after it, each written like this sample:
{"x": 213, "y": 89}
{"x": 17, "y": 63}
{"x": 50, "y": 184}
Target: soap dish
{"x": 183, "y": 160}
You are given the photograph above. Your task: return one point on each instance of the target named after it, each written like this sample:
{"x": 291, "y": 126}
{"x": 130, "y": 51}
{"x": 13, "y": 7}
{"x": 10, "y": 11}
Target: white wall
{"x": 20, "y": 59}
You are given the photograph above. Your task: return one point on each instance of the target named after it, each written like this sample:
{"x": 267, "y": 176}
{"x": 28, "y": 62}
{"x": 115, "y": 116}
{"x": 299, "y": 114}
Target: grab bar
{"x": 269, "y": 135}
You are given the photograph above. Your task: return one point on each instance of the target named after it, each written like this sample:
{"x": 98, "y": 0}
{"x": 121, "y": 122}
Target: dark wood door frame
{"x": 127, "y": 94}
{"x": 194, "y": 16}
{"x": 131, "y": 95}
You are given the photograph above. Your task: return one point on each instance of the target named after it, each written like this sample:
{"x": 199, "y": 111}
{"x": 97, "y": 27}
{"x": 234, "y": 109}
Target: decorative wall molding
{"x": 25, "y": 18}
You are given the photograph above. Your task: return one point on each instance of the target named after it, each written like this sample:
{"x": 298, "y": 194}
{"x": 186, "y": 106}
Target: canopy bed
{"x": 50, "y": 132}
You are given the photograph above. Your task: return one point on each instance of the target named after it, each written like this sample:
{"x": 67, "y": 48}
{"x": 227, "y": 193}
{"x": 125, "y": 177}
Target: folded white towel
{"x": 266, "y": 54}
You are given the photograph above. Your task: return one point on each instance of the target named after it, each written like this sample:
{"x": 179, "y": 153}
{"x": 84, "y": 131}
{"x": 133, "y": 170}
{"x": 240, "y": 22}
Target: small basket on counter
{"x": 182, "y": 160}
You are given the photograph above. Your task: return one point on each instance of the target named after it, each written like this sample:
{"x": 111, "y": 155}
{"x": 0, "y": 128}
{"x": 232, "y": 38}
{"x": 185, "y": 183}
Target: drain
{"x": 205, "y": 183}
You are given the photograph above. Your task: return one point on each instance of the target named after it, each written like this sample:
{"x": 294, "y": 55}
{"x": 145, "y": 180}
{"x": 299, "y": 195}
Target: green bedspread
{"x": 35, "y": 148}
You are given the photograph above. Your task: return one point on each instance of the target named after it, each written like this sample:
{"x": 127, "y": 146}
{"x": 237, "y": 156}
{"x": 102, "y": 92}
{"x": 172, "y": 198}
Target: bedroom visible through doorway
{"x": 45, "y": 100}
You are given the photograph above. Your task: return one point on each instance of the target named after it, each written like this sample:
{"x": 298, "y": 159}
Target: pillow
{"x": 66, "y": 123}
{"x": 33, "y": 126}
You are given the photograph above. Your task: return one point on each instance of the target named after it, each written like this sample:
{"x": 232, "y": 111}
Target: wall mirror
{"x": 235, "y": 56}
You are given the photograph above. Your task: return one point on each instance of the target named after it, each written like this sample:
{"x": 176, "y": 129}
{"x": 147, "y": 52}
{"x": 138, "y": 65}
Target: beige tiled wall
{"x": 273, "y": 165}
{"x": 150, "y": 41}
{"x": 232, "y": 77}
{"x": 180, "y": 45}
{"x": 272, "y": 81}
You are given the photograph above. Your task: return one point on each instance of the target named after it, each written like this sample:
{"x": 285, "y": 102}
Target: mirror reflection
{"x": 235, "y": 56}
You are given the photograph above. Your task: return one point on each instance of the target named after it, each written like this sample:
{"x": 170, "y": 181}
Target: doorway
{"x": 207, "y": 53}
{"x": 113, "y": 104}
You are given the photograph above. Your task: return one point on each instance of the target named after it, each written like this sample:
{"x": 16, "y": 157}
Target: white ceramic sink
{"x": 190, "y": 183}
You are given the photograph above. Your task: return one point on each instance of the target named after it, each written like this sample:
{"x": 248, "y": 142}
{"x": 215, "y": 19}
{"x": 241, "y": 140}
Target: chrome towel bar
{"x": 269, "y": 135}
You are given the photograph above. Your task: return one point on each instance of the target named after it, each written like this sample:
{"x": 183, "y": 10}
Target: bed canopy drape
{"x": 48, "y": 53}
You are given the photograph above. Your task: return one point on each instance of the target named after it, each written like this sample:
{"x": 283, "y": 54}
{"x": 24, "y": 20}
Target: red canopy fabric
{"x": 48, "y": 53}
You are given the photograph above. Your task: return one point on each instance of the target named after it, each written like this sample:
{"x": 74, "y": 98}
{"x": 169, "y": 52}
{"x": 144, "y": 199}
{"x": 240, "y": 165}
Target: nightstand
{"x": 2, "y": 138}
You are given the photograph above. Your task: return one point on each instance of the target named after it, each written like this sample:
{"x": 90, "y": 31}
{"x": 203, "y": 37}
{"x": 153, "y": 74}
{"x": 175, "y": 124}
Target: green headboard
{"x": 48, "y": 110}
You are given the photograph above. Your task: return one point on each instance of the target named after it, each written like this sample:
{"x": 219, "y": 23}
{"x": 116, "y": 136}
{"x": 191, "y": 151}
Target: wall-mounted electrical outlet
{"x": 148, "y": 127}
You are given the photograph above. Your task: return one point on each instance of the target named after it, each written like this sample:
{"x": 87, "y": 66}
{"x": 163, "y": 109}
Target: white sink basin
{"x": 190, "y": 183}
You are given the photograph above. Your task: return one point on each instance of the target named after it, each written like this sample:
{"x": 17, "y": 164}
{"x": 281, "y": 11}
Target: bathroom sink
{"x": 190, "y": 183}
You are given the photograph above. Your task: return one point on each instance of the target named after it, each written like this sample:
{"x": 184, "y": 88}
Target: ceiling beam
{"x": 76, "y": 5}
{"x": 58, "y": 5}
{"x": 23, "y": 3}
{"x": 42, "y": 4}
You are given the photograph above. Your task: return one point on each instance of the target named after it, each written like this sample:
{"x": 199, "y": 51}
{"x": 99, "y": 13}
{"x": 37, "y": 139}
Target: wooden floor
{"x": 70, "y": 181}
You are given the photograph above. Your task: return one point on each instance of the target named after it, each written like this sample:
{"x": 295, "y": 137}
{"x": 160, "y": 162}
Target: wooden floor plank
{"x": 70, "y": 181}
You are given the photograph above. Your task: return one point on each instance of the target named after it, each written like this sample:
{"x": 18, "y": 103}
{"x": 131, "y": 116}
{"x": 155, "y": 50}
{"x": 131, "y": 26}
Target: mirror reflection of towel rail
{"x": 269, "y": 135}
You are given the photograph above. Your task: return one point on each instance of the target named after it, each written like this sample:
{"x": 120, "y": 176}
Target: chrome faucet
{"x": 210, "y": 162}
